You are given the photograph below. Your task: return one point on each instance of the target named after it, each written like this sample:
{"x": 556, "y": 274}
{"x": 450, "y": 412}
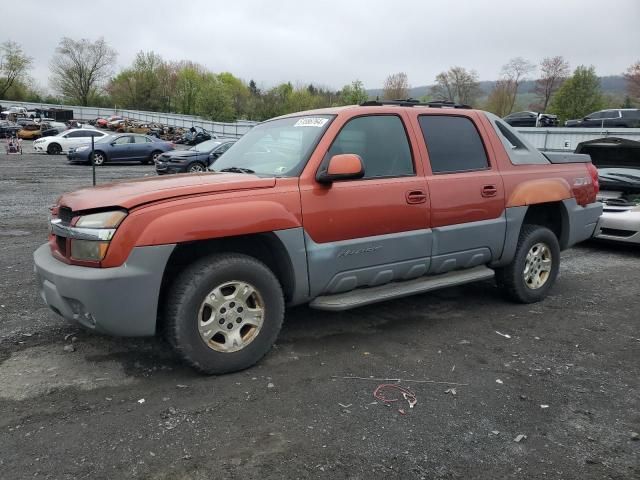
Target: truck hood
{"x": 132, "y": 193}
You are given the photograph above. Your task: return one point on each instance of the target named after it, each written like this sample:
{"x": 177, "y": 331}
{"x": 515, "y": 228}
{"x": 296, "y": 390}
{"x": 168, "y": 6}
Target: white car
{"x": 62, "y": 142}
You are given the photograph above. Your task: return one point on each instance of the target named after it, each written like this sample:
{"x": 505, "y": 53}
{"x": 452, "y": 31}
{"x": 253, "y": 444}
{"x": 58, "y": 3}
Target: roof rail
{"x": 412, "y": 102}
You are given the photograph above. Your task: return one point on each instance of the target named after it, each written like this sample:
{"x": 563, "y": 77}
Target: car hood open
{"x": 132, "y": 193}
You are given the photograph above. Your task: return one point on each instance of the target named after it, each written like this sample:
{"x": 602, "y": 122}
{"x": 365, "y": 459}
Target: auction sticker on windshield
{"x": 311, "y": 122}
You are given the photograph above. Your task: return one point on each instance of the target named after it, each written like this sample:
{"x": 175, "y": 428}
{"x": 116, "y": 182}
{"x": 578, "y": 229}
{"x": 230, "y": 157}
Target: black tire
{"x": 99, "y": 158}
{"x": 511, "y": 278}
{"x": 196, "y": 167}
{"x": 185, "y": 298}
{"x": 152, "y": 159}
{"x": 54, "y": 149}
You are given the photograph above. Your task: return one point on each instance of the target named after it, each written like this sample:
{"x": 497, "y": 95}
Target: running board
{"x": 365, "y": 296}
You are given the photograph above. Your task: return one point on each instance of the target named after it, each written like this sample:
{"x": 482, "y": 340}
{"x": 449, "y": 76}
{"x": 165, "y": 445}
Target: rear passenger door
{"x": 142, "y": 147}
{"x": 466, "y": 191}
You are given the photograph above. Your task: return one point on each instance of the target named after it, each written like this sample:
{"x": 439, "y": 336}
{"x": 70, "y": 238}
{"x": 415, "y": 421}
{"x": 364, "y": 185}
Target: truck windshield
{"x": 278, "y": 148}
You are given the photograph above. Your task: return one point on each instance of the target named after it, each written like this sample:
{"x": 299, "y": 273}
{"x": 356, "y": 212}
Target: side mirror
{"x": 346, "y": 166}
{"x": 213, "y": 155}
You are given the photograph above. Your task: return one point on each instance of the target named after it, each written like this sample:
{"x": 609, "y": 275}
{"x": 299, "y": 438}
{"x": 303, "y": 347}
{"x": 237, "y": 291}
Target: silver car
{"x": 620, "y": 220}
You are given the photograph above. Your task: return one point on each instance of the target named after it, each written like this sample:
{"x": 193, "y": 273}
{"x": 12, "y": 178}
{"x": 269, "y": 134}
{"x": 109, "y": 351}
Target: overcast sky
{"x": 332, "y": 42}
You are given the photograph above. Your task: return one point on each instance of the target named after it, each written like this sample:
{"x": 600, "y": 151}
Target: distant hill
{"x": 612, "y": 85}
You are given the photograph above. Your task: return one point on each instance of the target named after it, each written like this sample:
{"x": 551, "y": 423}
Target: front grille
{"x": 66, "y": 215}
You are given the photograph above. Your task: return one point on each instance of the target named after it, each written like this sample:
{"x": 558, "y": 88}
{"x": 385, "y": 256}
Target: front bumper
{"x": 119, "y": 301}
{"x": 163, "y": 168}
{"x": 619, "y": 226}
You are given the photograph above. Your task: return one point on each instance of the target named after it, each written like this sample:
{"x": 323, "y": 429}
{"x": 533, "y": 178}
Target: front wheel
{"x": 54, "y": 149}
{"x": 223, "y": 313}
{"x": 196, "y": 167}
{"x": 99, "y": 158}
{"x": 534, "y": 268}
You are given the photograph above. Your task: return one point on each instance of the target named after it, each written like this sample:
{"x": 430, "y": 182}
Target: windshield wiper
{"x": 237, "y": 170}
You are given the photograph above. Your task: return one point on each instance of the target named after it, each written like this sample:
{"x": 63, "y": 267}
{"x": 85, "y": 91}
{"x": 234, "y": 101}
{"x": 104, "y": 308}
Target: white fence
{"x": 222, "y": 129}
{"x": 567, "y": 139}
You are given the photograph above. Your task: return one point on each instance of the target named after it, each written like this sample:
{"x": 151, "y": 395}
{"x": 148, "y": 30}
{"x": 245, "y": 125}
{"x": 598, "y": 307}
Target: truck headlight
{"x": 91, "y": 235}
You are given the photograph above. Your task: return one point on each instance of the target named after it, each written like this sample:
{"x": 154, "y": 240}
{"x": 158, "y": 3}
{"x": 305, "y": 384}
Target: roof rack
{"x": 412, "y": 102}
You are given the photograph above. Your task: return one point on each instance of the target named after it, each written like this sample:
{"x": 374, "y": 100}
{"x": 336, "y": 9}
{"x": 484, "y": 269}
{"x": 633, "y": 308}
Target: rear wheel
{"x": 54, "y": 149}
{"x": 154, "y": 156}
{"x": 196, "y": 167}
{"x": 533, "y": 271}
{"x": 223, "y": 313}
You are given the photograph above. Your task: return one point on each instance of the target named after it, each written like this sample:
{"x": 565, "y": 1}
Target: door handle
{"x": 416, "y": 196}
{"x": 489, "y": 191}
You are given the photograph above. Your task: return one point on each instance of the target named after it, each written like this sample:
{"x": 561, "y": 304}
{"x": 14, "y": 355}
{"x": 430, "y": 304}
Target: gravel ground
{"x": 562, "y": 373}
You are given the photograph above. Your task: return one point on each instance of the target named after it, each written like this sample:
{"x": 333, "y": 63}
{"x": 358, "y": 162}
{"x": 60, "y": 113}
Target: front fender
{"x": 201, "y": 218}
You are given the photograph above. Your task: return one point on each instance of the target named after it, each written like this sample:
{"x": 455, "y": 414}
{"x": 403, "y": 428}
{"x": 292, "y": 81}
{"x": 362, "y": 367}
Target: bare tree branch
{"x": 80, "y": 68}
{"x": 396, "y": 87}
{"x": 554, "y": 71}
{"x": 514, "y": 72}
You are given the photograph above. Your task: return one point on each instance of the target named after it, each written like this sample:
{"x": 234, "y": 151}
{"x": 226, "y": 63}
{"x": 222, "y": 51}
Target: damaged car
{"x": 618, "y": 164}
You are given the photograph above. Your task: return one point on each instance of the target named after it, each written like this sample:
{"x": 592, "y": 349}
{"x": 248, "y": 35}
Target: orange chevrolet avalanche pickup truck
{"x": 336, "y": 208}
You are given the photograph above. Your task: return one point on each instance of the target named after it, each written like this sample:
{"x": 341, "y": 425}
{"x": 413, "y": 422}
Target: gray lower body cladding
{"x": 119, "y": 301}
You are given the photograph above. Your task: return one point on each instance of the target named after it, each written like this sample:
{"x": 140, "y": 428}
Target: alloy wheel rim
{"x": 537, "y": 266}
{"x": 231, "y": 316}
{"x": 196, "y": 168}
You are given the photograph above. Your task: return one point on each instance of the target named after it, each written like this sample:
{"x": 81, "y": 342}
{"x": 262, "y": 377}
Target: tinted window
{"x": 381, "y": 142}
{"x": 596, "y": 116}
{"x": 453, "y": 143}
{"x": 122, "y": 140}
{"x": 611, "y": 114}
{"x": 223, "y": 148}
{"x": 631, "y": 113}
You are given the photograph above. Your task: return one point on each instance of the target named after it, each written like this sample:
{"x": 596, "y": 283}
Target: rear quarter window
{"x": 453, "y": 143}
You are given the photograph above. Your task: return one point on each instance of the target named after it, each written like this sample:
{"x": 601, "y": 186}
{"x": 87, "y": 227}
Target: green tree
{"x": 14, "y": 65}
{"x": 189, "y": 83}
{"x": 139, "y": 86}
{"x": 215, "y": 100}
{"x": 354, "y": 94}
{"x": 579, "y": 95}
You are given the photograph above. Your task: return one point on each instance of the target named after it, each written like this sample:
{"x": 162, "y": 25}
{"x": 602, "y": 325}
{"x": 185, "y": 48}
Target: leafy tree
{"x": 579, "y": 95}
{"x": 238, "y": 92}
{"x": 457, "y": 85}
{"x": 354, "y": 94}
{"x": 79, "y": 68}
{"x": 396, "y": 87}
{"x": 554, "y": 71}
{"x": 632, "y": 75}
{"x": 14, "y": 65}
{"x": 215, "y": 99}
{"x": 253, "y": 88}
{"x": 189, "y": 83}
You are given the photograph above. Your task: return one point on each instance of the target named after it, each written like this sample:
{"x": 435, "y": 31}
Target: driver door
{"x": 121, "y": 148}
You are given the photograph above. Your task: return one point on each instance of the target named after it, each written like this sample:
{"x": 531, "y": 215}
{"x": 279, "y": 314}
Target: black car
{"x": 8, "y": 129}
{"x": 614, "y": 118}
{"x": 531, "y": 119}
{"x": 196, "y": 159}
{"x": 195, "y": 136}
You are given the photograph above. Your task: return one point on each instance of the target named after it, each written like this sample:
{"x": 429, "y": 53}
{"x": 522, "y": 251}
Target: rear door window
{"x": 380, "y": 141}
{"x": 453, "y": 143}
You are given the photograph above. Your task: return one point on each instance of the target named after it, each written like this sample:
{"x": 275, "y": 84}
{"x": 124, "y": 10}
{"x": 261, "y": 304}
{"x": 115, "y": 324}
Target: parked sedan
{"x": 615, "y": 118}
{"x": 531, "y": 119}
{"x": 66, "y": 140}
{"x": 196, "y": 159}
{"x": 121, "y": 148}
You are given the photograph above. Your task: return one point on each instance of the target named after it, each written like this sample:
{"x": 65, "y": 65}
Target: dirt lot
{"x": 564, "y": 373}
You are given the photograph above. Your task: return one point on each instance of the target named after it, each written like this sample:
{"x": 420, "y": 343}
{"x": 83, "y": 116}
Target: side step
{"x": 366, "y": 296}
